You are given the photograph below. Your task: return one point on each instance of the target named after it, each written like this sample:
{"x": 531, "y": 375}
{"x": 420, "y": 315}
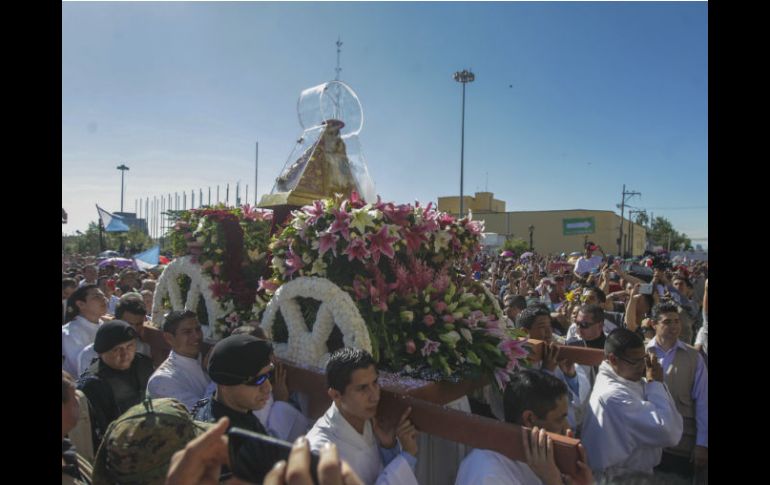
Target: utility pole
{"x": 626, "y": 195}
{"x": 122, "y": 169}
{"x": 256, "y": 174}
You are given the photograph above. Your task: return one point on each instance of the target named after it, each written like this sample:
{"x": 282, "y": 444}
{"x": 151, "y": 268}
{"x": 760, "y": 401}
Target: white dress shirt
{"x": 75, "y": 336}
{"x": 179, "y": 377}
{"x": 628, "y": 424}
{"x": 487, "y": 467}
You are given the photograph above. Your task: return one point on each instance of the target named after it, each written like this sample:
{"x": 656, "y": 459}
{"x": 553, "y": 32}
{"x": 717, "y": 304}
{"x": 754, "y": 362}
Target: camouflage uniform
{"x": 138, "y": 446}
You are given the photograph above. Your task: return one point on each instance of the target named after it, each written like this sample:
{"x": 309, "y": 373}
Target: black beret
{"x": 237, "y": 358}
{"x": 112, "y": 333}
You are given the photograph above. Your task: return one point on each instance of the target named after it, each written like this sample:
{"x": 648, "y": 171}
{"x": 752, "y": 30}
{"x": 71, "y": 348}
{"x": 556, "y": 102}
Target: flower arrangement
{"x": 408, "y": 269}
{"x": 230, "y": 246}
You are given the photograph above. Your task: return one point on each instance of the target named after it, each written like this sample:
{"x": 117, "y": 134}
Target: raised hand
{"x": 538, "y": 450}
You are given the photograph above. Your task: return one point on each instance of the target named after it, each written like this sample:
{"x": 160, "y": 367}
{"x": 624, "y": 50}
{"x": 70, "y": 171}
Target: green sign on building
{"x": 581, "y": 225}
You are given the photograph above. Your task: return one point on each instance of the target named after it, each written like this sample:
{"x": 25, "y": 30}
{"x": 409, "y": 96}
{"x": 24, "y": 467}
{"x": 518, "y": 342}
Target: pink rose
{"x": 448, "y": 318}
{"x": 410, "y": 347}
{"x": 428, "y": 320}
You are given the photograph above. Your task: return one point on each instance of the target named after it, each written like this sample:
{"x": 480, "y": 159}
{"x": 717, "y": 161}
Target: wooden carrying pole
{"x": 428, "y": 400}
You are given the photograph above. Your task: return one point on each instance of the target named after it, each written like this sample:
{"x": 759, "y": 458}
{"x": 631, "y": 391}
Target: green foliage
{"x": 516, "y": 244}
{"x": 660, "y": 232}
{"x": 131, "y": 242}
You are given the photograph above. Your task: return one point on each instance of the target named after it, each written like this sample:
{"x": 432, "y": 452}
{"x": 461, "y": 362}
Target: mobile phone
{"x": 252, "y": 455}
{"x": 645, "y": 289}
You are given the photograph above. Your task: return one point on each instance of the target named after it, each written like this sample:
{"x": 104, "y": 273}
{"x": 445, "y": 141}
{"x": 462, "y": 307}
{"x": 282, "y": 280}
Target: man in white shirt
{"x": 536, "y": 321}
{"x": 130, "y": 309}
{"x": 687, "y": 380}
{"x": 86, "y": 305}
{"x": 89, "y": 276}
{"x": 630, "y": 418}
{"x": 539, "y": 401}
{"x": 378, "y": 456}
{"x": 181, "y": 376}
{"x": 587, "y": 263}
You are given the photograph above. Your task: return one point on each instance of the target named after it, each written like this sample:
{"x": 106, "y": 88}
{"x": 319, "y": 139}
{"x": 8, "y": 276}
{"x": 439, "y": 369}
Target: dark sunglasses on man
{"x": 257, "y": 380}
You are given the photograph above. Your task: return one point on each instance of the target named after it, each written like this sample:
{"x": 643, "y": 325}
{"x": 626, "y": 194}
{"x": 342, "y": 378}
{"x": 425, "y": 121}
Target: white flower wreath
{"x": 309, "y": 348}
{"x": 199, "y": 287}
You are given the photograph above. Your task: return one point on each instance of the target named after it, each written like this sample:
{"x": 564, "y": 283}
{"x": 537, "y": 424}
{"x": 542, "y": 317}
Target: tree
{"x": 642, "y": 219}
{"x": 516, "y": 244}
{"x": 662, "y": 233}
{"x": 87, "y": 243}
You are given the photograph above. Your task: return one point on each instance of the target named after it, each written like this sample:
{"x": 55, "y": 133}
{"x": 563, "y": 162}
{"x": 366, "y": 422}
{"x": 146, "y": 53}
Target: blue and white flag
{"x": 148, "y": 259}
{"x": 111, "y": 222}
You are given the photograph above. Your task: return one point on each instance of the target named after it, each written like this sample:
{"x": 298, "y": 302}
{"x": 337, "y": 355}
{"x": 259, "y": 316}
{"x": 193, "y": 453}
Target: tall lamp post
{"x": 531, "y": 232}
{"x": 465, "y": 76}
{"x": 122, "y": 169}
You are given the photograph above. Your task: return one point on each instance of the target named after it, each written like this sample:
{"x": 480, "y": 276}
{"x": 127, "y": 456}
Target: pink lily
{"x": 341, "y": 222}
{"x": 327, "y": 241}
{"x": 293, "y": 262}
{"x": 429, "y": 347}
{"x": 356, "y": 201}
{"x": 356, "y": 250}
{"x": 381, "y": 243}
{"x": 316, "y": 211}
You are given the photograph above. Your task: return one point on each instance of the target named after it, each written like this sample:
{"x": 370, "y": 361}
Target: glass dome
{"x": 333, "y": 100}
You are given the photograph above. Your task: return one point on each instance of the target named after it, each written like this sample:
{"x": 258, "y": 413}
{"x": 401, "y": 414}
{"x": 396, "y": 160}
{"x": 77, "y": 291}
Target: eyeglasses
{"x": 260, "y": 379}
{"x": 634, "y": 363}
{"x": 585, "y": 324}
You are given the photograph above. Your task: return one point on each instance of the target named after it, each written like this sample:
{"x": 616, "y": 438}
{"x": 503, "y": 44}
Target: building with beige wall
{"x": 480, "y": 203}
{"x": 555, "y": 231}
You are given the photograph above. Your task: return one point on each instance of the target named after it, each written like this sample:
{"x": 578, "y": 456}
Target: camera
{"x": 252, "y": 455}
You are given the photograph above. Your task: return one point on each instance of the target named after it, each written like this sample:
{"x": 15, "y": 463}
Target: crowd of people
{"x": 641, "y": 415}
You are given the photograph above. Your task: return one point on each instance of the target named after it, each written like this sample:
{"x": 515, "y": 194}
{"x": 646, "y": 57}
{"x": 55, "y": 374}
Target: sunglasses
{"x": 256, "y": 380}
{"x": 634, "y": 363}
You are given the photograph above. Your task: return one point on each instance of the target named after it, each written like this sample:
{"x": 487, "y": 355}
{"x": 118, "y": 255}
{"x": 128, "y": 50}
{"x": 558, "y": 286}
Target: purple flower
{"x": 316, "y": 211}
{"x": 448, "y": 318}
{"x": 356, "y": 250}
{"x": 341, "y": 222}
{"x": 327, "y": 241}
{"x": 381, "y": 243}
{"x": 502, "y": 377}
{"x": 293, "y": 262}
{"x": 429, "y": 347}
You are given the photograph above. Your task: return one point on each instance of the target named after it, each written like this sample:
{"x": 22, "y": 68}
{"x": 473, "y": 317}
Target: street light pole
{"x": 465, "y": 76}
{"x": 531, "y": 232}
{"x": 122, "y": 169}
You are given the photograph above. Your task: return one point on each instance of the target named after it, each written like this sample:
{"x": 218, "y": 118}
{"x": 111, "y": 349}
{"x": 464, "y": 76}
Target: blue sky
{"x": 571, "y": 100}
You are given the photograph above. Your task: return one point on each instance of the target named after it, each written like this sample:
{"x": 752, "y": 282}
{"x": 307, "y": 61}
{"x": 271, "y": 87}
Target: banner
{"x": 111, "y": 222}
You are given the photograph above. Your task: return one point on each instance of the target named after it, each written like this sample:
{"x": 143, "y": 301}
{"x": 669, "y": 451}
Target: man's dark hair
{"x": 664, "y": 307}
{"x": 527, "y": 317}
{"x": 68, "y": 283}
{"x": 173, "y": 319}
{"x": 620, "y": 340}
{"x": 534, "y": 390}
{"x": 341, "y": 365}
{"x": 596, "y": 312}
{"x": 131, "y": 303}
{"x": 600, "y": 295}
{"x": 683, "y": 278}
{"x": 515, "y": 301}
{"x": 78, "y": 295}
